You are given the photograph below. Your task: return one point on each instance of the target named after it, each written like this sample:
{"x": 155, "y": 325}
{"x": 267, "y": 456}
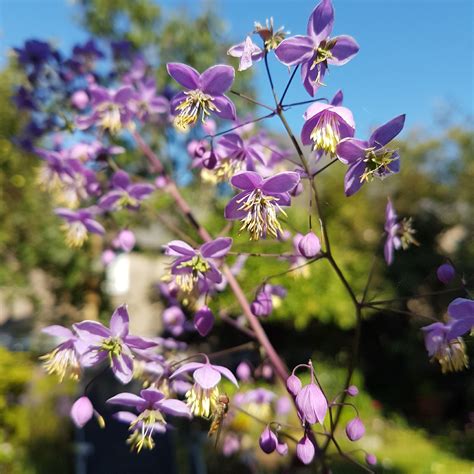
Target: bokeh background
{"x": 416, "y": 58}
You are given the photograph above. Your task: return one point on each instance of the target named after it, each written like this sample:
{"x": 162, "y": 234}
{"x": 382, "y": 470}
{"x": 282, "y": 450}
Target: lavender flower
{"x": 309, "y": 245}
{"x": 293, "y": 384}
{"x": 81, "y": 411}
{"x": 260, "y": 200}
{"x": 445, "y": 346}
{"x": 114, "y": 343}
{"x": 65, "y": 358}
{"x": 78, "y": 223}
{"x": 370, "y": 158}
{"x": 305, "y": 450}
{"x": 204, "y": 395}
{"x": 400, "y": 234}
{"x": 325, "y": 126}
{"x": 151, "y": 405}
{"x": 125, "y": 240}
{"x": 111, "y": 109}
{"x": 316, "y": 51}
{"x": 312, "y": 404}
{"x": 124, "y": 193}
{"x": 193, "y": 265}
{"x": 355, "y": 429}
{"x": 204, "y": 94}
{"x": 247, "y": 51}
{"x": 147, "y": 103}
{"x": 204, "y": 320}
{"x": 461, "y": 311}
{"x": 268, "y": 440}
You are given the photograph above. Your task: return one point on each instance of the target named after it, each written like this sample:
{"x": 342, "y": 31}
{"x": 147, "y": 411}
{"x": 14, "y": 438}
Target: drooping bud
{"x": 309, "y": 245}
{"x": 126, "y": 240}
{"x": 293, "y": 384}
{"x": 204, "y": 321}
{"x": 370, "y": 459}
{"x": 282, "y": 449}
{"x": 244, "y": 371}
{"x": 262, "y": 305}
{"x": 355, "y": 429}
{"x": 305, "y": 450}
{"x": 352, "y": 391}
{"x": 268, "y": 440}
{"x": 82, "y": 411}
{"x": 445, "y": 273}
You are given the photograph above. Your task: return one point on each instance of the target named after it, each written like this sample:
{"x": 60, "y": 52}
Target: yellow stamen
{"x": 62, "y": 362}
{"x": 202, "y": 402}
{"x": 196, "y": 104}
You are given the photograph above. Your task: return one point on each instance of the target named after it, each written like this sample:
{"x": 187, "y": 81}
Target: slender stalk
{"x": 240, "y": 125}
{"x": 288, "y": 85}
{"x": 249, "y": 99}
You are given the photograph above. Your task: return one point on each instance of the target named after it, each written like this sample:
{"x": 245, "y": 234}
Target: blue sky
{"x": 416, "y": 56}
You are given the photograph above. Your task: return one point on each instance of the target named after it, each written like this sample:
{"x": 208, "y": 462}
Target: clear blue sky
{"x": 416, "y": 56}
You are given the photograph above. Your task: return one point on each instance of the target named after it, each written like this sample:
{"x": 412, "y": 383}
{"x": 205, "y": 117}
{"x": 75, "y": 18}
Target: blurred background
{"x": 416, "y": 58}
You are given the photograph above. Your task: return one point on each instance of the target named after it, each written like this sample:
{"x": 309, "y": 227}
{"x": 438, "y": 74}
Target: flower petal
{"x": 344, "y": 50}
{"x": 119, "y": 322}
{"x": 185, "y": 75}
{"x": 281, "y": 182}
{"x": 91, "y": 331}
{"x": 216, "y": 248}
{"x": 225, "y": 107}
{"x": 190, "y": 366}
{"x": 226, "y": 373}
{"x": 232, "y": 211}
{"x": 178, "y": 248}
{"x": 351, "y": 149}
{"x": 461, "y": 308}
{"x": 128, "y": 400}
{"x": 352, "y": 179}
{"x": 122, "y": 367}
{"x": 321, "y": 21}
{"x": 207, "y": 376}
{"x": 296, "y": 50}
{"x": 120, "y": 179}
{"x": 217, "y": 79}
{"x": 246, "y": 180}
{"x": 58, "y": 331}
{"x": 387, "y": 132}
{"x": 175, "y": 407}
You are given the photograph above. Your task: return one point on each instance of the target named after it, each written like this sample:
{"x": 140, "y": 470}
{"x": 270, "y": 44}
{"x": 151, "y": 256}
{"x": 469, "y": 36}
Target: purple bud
{"x": 352, "y": 390}
{"x": 82, "y": 411}
{"x": 209, "y": 160}
{"x": 309, "y": 245}
{"x": 262, "y": 305}
{"x": 446, "y": 273}
{"x": 173, "y": 319}
{"x": 80, "y": 99}
{"x": 293, "y": 384}
{"x": 107, "y": 256}
{"x": 355, "y": 429}
{"x": 268, "y": 440}
{"x": 267, "y": 372}
{"x": 204, "y": 321}
{"x": 161, "y": 182}
{"x": 370, "y": 459}
{"x": 305, "y": 450}
{"x": 297, "y": 190}
{"x": 126, "y": 240}
{"x": 243, "y": 371}
{"x": 282, "y": 449}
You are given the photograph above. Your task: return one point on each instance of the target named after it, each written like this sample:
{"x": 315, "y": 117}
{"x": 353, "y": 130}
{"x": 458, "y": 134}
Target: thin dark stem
{"x": 309, "y": 262}
{"x": 288, "y": 85}
{"x": 304, "y": 102}
{"x": 231, "y": 350}
{"x": 258, "y": 254}
{"x": 424, "y": 295}
{"x": 325, "y": 167}
{"x": 349, "y": 458}
{"x": 400, "y": 311}
{"x": 240, "y": 125}
{"x": 249, "y": 99}
{"x": 236, "y": 325}
{"x": 269, "y": 75}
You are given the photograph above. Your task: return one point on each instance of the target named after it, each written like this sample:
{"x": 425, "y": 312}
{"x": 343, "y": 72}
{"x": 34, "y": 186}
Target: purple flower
{"x": 309, "y": 245}
{"x": 204, "y": 320}
{"x": 78, "y": 223}
{"x": 204, "y": 94}
{"x": 370, "y": 459}
{"x": 400, "y": 234}
{"x": 192, "y": 265}
{"x": 247, "y": 51}
{"x": 352, "y": 391}
{"x": 445, "y": 273}
{"x": 461, "y": 311}
{"x": 64, "y": 359}
{"x": 114, "y": 343}
{"x": 80, "y": 99}
{"x": 355, "y": 429}
{"x": 260, "y": 201}
{"x": 325, "y": 126}
{"x": 370, "y": 158}
{"x": 312, "y": 404}
{"x": 262, "y": 305}
{"x": 244, "y": 371}
{"x": 124, "y": 193}
{"x": 125, "y": 240}
{"x": 305, "y": 450}
{"x": 174, "y": 320}
{"x": 111, "y": 109}
{"x": 147, "y": 103}
{"x": 204, "y": 395}
{"x": 445, "y": 346}
{"x": 230, "y": 444}
{"x": 151, "y": 405}
{"x": 316, "y": 51}
{"x": 268, "y": 440}
{"x": 81, "y": 411}
{"x": 293, "y": 384}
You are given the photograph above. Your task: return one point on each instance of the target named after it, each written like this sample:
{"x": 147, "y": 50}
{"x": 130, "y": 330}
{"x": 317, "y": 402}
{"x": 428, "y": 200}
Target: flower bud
{"x": 243, "y": 371}
{"x": 126, "y": 240}
{"x": 445, "y": 273}
{"x": 282, "y": 449}
{"x": 209, "y": 160}
{"x": 160, "y": 182}
{"x": 355, "y": 429}
{"x": 352, "y": 391}
{"x": 268, "y": 440}
{"x": 80, "y": 99}
{"x": 107, "y": 257}
{"x": 293, "y": 384}
{"x": 305, "y": 450}
{"x": 312, "y": 404}
{"x": 309, "y": 246}
{"x": 370, "y": 459}
{"x": 204, "y": 321}
{"x": 297, "y": 190}
{"x": 82, "y": 411}
{"x": 262, "y": 305}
